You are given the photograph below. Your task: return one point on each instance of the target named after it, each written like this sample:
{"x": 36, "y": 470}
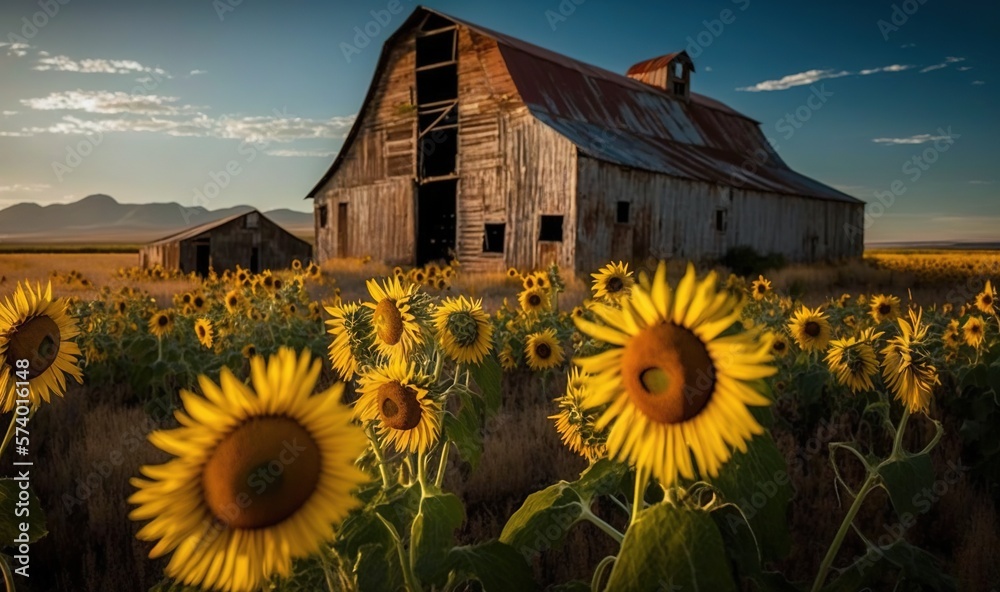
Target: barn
{"x": 473, "y": 144}
{"x": 248, "y": 239}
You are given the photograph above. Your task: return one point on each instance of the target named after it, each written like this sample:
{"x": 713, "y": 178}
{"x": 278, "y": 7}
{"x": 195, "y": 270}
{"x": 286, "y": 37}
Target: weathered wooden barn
{"x": 249, "y": 240}
{"x": 472, "y": 143}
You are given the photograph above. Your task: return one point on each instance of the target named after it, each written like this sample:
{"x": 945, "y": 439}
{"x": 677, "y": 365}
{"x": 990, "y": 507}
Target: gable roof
{"x": 620, "y": 120}
{"x": 195, "y": 231}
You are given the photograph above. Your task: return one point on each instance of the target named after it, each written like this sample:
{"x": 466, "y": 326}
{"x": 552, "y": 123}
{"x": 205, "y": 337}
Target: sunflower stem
{"x": 897, "y": 442}
{"x": 611, "y": 531}
{"x": 159, "y": 348}
{"x": 379, "y": 457}
{"x": 641, "y": 480}
{"x": 8, "y": 578}
{"x": 838, "y": 539}
{"x": 422, "y": 472}
{"x": 442, "y": 465}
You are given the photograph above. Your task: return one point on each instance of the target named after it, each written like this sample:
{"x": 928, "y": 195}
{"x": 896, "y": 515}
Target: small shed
{"x": 248, "y": 239}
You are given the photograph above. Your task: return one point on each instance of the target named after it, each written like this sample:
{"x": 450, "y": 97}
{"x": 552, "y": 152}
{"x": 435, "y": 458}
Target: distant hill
{"x": 101, "y": 218}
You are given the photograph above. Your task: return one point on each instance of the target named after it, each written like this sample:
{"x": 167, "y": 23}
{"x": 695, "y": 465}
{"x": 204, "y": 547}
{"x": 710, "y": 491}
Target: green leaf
{"x": 488, "y": 376}
{"x": 670, "y": 548}
{"x": 759, "y": 483}
{"x": 466, "y": 433}
{"x": 433, "y": 533}
{"x": 19, "y": 518}
{"x": 498, "y": 567}
{"x": 905, "y": 479}
{"x": 899, "y": 558}
{"x": 371, "y": 569}
{"x": 601, "y": 478}
{"x": 571, "y": 586}
{"x": 741, "y": 547}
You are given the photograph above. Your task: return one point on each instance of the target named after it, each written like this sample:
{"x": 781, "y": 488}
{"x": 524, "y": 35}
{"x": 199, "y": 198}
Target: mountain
{"x": 101, "y": 218}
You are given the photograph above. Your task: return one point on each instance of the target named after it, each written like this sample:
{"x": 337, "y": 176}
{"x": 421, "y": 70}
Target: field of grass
{"x": 91, "y": 441}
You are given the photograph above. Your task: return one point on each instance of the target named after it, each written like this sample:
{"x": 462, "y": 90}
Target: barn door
{"x": 436, "y": 205}
{"x": 202, "y": 258}
{"x": 342, "y": 238}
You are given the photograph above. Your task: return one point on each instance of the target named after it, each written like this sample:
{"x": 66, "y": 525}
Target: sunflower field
{"x": 723, "y": 434}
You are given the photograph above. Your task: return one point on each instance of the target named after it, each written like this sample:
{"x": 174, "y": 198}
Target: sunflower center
{"x": 261, "y": 473}
{"x": 388, "y": 321}
{"x": 162, "y": 320}
{"x": 463, "y": 327}
{"x": 398, "y": 406}
{"x": 36, "y": 340}
{"x": 812, "y": 329}
{"x": 761, "y": 288}
{"x": 534, "y": 300}
{"x": 883, "y": 309}
{"x": 987, "y": 299}
{"x": 543, "y": 351}
{"x": 615, "y": 284}
{"x": 201, "y": 331}
{"x": 668, "y": 373}
{"x": 779, "y": 346}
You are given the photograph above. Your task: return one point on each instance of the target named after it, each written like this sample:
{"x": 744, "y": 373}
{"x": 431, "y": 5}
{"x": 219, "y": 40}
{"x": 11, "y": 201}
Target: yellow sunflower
{"x": 760, "y": 288}
{"x": 884, "y": 308}
{"x": 613, "y": 281}
{"x": 161, "y": 323}
{"x": 907, "y": 366}
{"x": 952, "y": 337}
{"x": 508, "y": 361}
{"x": 350, "y": 338}
{"x": 986, "y": 300}
{"x": 810, "y": 328}
{"x": 513, "y": 273}
{"x": 779, "y": 345}
{"x": 528, "y": 281}
{"x": 675, "y": 386}
{"x": 296, "y": 265}
{"x": 394, "y": 326}
{"x": 396, "y": 398}
{"x": 233, "y": 299}
{"x": 203, "y": 329}
{"x": 260, "y": 474}
{"x": 542, "y": 350}
{"x": 36, "y": 329}
{"x": 249, "y": 351}
{"x": 974, "y": 331}
{"x": 576, "y": 424}
{"x": 541, "y": 279}
{"x": 533, "y": 300}
{"x": 853, "y": 362}
{"x": 463, "y": 329}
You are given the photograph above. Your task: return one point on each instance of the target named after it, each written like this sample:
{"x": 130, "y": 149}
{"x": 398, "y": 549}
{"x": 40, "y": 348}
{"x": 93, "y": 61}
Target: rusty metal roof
{"x": 617, "y": 119}
{"x": 655, "y": 64}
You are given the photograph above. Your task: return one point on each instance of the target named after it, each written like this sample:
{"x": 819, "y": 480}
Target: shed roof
{"x": 616, "y": 119}
{"x": 195, "y": 231}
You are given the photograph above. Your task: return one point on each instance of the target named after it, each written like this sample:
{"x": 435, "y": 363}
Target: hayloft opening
{"x": 436, "y": 207}
{"x": 434, "y": 22}
{"x": 493, "y": 238}
{"x": 551, "y": 229}
{"x": 436, "y": 48}
{"x": 437, "y": 84}
{"x": 439, "y": 152}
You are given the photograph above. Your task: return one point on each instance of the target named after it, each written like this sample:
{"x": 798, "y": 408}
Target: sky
{"x": 229, "y": 102}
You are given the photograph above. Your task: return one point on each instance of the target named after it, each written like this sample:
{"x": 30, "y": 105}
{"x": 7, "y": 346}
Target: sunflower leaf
{"x": 377, "y": 568}
{"x": 909, "y": 480}
{"x": 495, "y": 565}
{"x": 19, "y": 519}
{"x": 488, "y": 376}
{"x": 464, "y": 430}
{"x": 433, "y": 533}
{"x": 543, "y": 520}
{"x": 671, "y": 548}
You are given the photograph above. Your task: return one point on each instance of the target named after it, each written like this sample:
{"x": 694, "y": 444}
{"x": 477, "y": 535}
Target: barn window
{"x": 551, "y": 228}
{"x": 493, "y": 238}
{"x": 622, "y": 214}
{"x": 251, "y": 220}
{"x": 322, "y": 216}
{"x": 721, "y": 219}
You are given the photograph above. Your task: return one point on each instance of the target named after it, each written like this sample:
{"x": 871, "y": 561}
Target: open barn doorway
{"x": 202, "y": 258}
{"x": 436, "y": 204}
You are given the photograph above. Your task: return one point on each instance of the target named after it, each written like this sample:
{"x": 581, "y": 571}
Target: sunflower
{"x": 203, "y": 329}
{"x": 952, "y": 337}
{"x": 260, "y": 474}
{"x": 198, "y": 303}
{"x": 907, "y": 366}
{"x": 508, "y": 361}
{"x": 974, "y": 331}
{"x": 314, "y": 271}
{"x": 575, "y": 424}
{"x": 36, "y": 328}
{"x": 350, "y": 337}
{"x": 779, "y": 345}
{"x": 120, "y": 306}
{"x": 811, "y": 329}
{"x": 986, "y": 300}
{"x": 290, "y": 309}
{"x": 249, "y": 350}
{"x": 396, "y": 398}
{"x": 674, "y": 385}
{"x": 542, "y": 350}
{"x": 528, "y": 281}
{"x": 232, "y": 300}
{"x": 884, "y": 308}
{"x": 853, "y": 362}
{"x": 463, "y": 329}
{"x": 541, "y": 279}
{"x": 296, "y": 265}
{"x": 533, "y": 300}
{"x": 760, "y": 288}
{"x": 513, "y": 273}
{"x": 394, "y": 325}
{"x": 161, "y": 323}
{"x": 612, "y": 282}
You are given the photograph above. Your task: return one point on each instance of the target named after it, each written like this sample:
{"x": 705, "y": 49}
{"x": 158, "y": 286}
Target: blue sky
{"x": 152, "y": 101}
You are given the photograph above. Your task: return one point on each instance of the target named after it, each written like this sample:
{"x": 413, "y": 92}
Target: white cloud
{"x": 978, "y": 82}
{"x": 8, "y": 113}
{"x": 800, "y": 79}
{"x": 18, "y": 50}
{"x": 294, "y": 153}
{"x": 20, "y": 134}
{"x": 708, "y": 68}
{"x": 108, "y": 102}
{"x": 892, "y": 68}
{"x": 61, "y": 63}
{"x": 947, "y": 61}
{"x": 197, "y": 72}
{"x": 24, "y": 188}
{"x": 918, "y": 139}
{"x": 964, "y": 68}
{"x": 934, "y": 67}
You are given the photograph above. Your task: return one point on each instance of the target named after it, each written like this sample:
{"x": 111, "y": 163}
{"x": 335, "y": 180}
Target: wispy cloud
{"x": 964, "y": 68}
{"x": 812, "y": 76}
{"x": 978, "y": 82}
{"x": 21, "y": 134}
{"x": 197, "y": 72}
{"x": 947, "y": 62}
{"x": 8, "y": 113}
{"x": 61, "y": 63}
{"x": 917, "y": 139}
{"x": 24, "y": 188}
{"x": 892, "y": 68}
{"x": 295, "y": 153}
{"x": 18, "y": 50}
{"x": 108, "y": 102}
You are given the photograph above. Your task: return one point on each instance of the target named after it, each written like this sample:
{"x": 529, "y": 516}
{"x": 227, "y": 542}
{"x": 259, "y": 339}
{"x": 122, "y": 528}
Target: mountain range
{"x": 100, "y": 218}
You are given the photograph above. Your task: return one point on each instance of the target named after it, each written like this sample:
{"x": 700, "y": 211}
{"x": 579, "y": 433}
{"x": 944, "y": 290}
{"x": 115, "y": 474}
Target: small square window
{"x": 622, "y": 214}
{"x": 251, "y": 220}
{"x": 551, "y": 229}
{"x": 493, "y": 238}
{"x": 322, "y": 216}
{"x": 721, "y": 219}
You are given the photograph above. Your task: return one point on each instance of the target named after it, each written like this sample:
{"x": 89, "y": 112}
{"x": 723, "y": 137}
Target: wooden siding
{"x": 380, "y": 222}
{"x": 676, "y": 218}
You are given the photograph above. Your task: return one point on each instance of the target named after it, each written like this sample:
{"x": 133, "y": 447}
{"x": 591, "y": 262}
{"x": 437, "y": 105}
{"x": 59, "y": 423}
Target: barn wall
{"x": 676, "y": 218}
{"x": 166, "y": 255}
{"x": 377, "y": 169}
